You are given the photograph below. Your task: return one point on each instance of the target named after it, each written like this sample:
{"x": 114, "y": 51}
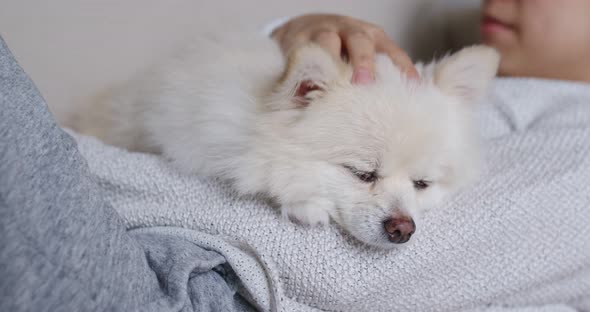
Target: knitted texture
{"x": 518, "y": 238}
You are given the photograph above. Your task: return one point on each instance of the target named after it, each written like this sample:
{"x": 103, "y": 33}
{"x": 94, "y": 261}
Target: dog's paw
{"x": 312, "y": 211}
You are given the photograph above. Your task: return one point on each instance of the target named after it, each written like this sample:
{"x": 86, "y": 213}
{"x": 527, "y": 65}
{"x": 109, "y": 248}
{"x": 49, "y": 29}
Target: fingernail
{"x": 362, "y": 76}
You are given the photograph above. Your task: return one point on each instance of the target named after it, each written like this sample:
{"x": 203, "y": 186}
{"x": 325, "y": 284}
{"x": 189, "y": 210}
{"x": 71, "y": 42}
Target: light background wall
{"x": 74, "y": 48}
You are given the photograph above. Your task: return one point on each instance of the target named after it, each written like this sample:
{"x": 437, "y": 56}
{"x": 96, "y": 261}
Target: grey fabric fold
{"x": 62, "y": 245}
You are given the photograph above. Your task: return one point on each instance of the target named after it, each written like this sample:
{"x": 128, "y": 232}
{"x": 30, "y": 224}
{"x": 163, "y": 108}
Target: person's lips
{"x": 491, "y": 26}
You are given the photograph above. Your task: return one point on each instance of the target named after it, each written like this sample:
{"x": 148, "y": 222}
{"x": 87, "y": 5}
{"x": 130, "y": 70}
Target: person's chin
{"x": 505, "y": 45}
{"x": 509, "y": 67}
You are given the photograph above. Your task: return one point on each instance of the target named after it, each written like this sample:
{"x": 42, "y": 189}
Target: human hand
{"x": 343, "y": 35}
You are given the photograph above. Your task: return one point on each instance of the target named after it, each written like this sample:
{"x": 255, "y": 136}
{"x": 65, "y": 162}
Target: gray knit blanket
{"x": 517, "y": 240}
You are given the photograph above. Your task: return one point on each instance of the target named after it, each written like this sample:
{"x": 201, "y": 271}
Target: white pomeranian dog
{"x": 370, "y": 157}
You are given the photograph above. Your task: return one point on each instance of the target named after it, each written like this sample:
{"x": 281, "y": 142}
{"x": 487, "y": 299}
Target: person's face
{"x": 539, "y": 38}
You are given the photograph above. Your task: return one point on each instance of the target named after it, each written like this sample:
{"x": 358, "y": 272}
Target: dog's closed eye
{"x": 421, "y": 184}
{"x": 365, "y": 176}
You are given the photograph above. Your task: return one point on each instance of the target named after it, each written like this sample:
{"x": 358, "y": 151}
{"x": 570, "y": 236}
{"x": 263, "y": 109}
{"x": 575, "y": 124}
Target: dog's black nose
{"x": 399, "y": 230}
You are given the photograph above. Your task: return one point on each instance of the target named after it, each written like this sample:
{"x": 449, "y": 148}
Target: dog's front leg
{"x": 309, "y": 211}
{"x": 299, "y": 189}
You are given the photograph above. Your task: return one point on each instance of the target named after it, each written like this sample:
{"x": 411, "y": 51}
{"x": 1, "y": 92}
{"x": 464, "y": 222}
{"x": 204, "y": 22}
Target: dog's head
{"x": 383, "y": 152}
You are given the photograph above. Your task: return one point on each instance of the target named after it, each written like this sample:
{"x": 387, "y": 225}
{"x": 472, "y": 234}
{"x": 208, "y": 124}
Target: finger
{"x": 330, "y": 41}
{"x": 361, "y": 52}
{"x": 399, "y": 58}
{"x": 290, "y": 42}
{"x": 279, "y": 31}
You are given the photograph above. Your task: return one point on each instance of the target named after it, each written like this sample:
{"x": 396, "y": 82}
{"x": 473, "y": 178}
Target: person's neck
{"x": 580, "y": 74}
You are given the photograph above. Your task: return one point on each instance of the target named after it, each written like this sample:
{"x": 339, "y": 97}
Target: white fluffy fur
{"x": 226, "y": 108}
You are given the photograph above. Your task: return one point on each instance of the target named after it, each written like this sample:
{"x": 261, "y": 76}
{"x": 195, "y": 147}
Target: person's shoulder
{"x": 526, "y": 103}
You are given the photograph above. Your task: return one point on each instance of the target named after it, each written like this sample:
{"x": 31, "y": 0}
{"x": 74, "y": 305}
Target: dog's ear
{"x": 467, "y": 73}
{"x": 309, "y": 72}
